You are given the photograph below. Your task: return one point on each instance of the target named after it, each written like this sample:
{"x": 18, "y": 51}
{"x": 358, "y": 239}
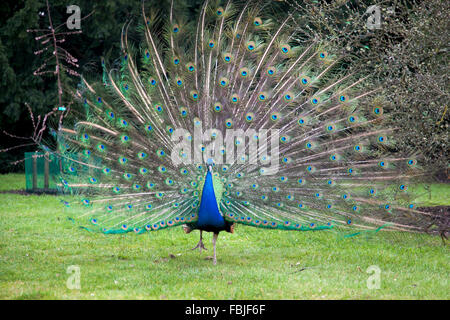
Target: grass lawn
{"x": 38, "y": 244}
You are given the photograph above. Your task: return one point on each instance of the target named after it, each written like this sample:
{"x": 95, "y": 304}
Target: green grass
{"x": 38, "y": 244}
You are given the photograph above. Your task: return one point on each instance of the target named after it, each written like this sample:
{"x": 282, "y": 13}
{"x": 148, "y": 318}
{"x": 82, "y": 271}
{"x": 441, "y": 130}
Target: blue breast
{"x": 209, "y": 216}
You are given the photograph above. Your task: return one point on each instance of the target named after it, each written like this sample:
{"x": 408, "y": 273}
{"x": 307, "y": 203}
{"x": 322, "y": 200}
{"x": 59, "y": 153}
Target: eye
{"x": 244, "y": 72}
{"x": 315, "y": 101}
{"x": 227, "y": 57}
{"x": 190, "y": 67}
{"x": 234, "y": 98}
{"x": 262, "y": 96}
{"x": 223, "y": 82}
{"x": 251, "y": 45}
{"x": 285, "y": 48}
{"x": 323, "y": 55}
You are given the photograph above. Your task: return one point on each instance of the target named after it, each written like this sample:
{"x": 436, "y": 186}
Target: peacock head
{"x": 210, "y": 164}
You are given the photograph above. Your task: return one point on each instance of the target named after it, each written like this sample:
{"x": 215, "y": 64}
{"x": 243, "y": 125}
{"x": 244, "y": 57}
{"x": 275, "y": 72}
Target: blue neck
{"x": 209, "y": 215}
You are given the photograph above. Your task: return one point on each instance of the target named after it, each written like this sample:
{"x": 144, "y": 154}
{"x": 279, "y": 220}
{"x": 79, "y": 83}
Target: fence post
{"x": 34, "y": 156}
{"x": 46, "y": 170}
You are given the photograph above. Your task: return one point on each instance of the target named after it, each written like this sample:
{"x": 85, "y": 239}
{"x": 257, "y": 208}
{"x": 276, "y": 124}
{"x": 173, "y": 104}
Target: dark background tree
{"x": 100, "y": 37}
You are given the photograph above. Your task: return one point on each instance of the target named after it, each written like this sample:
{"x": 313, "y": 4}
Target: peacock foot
{"x": 199, "y": 246}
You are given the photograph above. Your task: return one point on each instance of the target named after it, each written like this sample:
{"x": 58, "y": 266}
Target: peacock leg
{"x": 214, "y": 240}
{"x": 200, "y": 244}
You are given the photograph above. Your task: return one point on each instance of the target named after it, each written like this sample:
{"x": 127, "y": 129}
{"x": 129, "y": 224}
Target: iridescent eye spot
{"x": 251, "y": 46}
{"x": 176, "y": 61}
{"x": 223, "y": 82}
{"x": 127, "y": 176}
{"x": 314, "y": 101}
{"x": 378, "y": 111}
{"x": 190, "y": 67}
{"x": 211, "y": 44}
{"x": 160, "y": 153}
{"x": 179, "y": 83}
{"x": 234, "y": 98}
{"x": 219, "y": 11}
{"x": 304, "y": 80}
{"x": 99, "y": 100}
{"x": 287, "y": 97}
{"x": 227, "y": 57}
{"x": 322, "y": 55}
{"x": 285, "y": 48}
{"x": 142, "y": 155}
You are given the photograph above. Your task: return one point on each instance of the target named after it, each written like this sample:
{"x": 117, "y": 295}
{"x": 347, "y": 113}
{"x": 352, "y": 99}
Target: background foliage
{"x": 408, "y": 55}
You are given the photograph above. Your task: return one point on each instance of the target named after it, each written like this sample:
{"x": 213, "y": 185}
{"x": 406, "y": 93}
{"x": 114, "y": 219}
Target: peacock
{"x": 235, "y": 118}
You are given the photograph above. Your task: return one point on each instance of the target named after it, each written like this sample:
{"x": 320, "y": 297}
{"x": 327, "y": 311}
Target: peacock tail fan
{"x": 296, "y": 138}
